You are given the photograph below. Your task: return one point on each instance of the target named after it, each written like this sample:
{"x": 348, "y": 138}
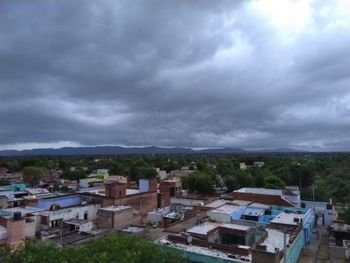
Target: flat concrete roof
{"x": 216, "y": 203}
{"x": 287, "y": 218}
{"x": 259, "y": 191}
{"x": 23, "y": 210}
{"x": 93, "y": 190}
{"x": 274, "y": 240}
{"x": 225, "y": 209}
{"x": 260, "y": 205}
{"x": 206, "y": 227}
{"x": 115, "y": 208}
{"x": 253, "y": 212}
{"x": 241, "y": 202}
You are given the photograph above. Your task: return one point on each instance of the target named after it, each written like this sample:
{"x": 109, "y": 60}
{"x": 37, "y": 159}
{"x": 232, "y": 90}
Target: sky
{"x": 203, "y": 74}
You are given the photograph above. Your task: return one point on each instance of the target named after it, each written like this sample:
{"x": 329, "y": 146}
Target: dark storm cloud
{"x": 174, "y": 73}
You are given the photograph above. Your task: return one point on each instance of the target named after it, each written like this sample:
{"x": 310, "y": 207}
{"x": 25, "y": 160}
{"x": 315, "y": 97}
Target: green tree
{"x": 32, "y": 174}
{"x": 231, "y": 182}
{"x": 4, "y": 181}
{"x": 323, "y": 191}
{"x": 345, "y": 215}
{"x": 244, "y": 178}
{"x": 198, "y": 182}
{"x": 274, "y": 182}
{"x": 112, "y": 248}
{"x": 225, "y": 167}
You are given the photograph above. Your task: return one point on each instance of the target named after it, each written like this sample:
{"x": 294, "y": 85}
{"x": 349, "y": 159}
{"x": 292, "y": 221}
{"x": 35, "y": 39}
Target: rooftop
{"x": 241, "y": 202}
{"x": 287, "y": 218}
{"x": 253, "y": 212}
{"x": 24, "y": 210}
{"x": 200, "y": 250}
{"x": 216, "y": 203}
{"x": 115, "y": 208}
{"x": 260, "y": 205}
{"x": 274, "y": 240}
{"x": 206, "y": 227}
{"x": 259, "y": 191}
{"x": 226, "y": 209}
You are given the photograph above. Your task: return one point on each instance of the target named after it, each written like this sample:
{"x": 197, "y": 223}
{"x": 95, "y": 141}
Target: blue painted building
{"x": 268, "y": 215}
{"x": 63, "y": 201}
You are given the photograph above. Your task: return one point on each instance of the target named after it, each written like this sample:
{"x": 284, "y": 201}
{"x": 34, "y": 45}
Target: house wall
{"x": 219, "y": 217}
{"x": 74, "y": 212}
{"x": 15, "y": 232}
{"x": 115, "y": 190}
{"x": 261, "y": 256}
{"x": 144, "y": 202}
{"x": 163, "y": 200}
{"x": 85, "y": 227}
{"x": 117, "y": 220}
{"x": 294, "y": 250}
{"x": 164, "y": 195}
{"x": 215, "y": 237}
{"x": 63, "y": 201}
{"x": 261, "y": 198}
{"x": 3, "y": 201}
{"x": 146, "y": 185}
{"x": 30, "y": 229}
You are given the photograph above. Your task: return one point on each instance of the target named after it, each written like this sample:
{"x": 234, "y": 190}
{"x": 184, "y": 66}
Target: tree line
{"x": 118, "y": 248}
{"x": 328, "y": 173}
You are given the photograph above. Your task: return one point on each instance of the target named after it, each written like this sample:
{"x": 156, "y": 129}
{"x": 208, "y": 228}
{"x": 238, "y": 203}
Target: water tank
{"x": 17, "y": 215}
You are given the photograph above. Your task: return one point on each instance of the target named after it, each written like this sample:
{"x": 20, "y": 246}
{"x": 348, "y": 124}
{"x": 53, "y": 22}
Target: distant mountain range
{"x": 117, "y": 150}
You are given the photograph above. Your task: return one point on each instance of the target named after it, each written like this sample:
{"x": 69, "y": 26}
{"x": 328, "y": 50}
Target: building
{"x": 162, "y": 174}
{"x": 47, "y": 201}
{"x": 247, "y": 231}
{"x": 31, "y": 216}
{"x": 324, "y": 210}
{"x": 242, "y": 166}
{"x": 12, "y": 230}
{"x": 144, "y": 199}
{"x": 117, "y": 217}
{"x": 285, "y": 197}
{"x": 77, "y": 225}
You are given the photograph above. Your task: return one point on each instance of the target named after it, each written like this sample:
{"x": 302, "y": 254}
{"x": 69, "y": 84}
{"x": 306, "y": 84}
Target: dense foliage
{"x": 33, "y": 174}
{"x": 328, "y": 173}
{"x": 115, "y": 248}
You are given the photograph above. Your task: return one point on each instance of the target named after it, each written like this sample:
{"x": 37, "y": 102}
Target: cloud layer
{"x": 253, "y": 74}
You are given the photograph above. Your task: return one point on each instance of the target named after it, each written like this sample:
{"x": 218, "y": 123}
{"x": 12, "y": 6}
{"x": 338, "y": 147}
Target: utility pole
{"x": 313, "y": 196}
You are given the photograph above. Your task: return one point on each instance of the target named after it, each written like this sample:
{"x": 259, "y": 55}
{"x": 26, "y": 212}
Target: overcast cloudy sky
{"x": 251, "y": 74}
